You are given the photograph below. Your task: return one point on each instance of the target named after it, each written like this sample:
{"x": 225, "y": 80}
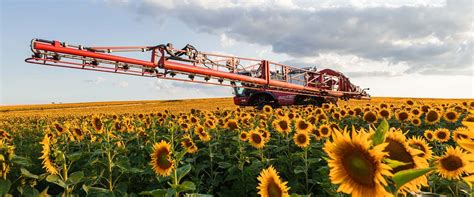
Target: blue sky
{"x": 441, "y": 69}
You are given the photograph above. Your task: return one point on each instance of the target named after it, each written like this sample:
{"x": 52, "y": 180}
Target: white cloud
{"x": 123, "y": 84}
{"x": 226, "y": 41}
{"x": 167, "y": 89}
{"x": 425, "y": 35}
{"x": 387, "y": 45}
{"x": 352, "y": 65}
{"x": 305, "y": 5}
{"x": 97, "y": 80}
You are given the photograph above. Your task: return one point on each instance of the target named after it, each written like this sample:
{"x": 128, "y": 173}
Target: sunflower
{"x": 419, "y": 143}
{"x": 402, "y": 115}
{"x": 410, "y": 102}
{"x": 280, "y": 113}
{"x": 282, "y": 126}
{"x": 119, "y": 126}
{"x": 325, "y": 130}
{"x": 231, "y": 124}
{"x": 370, "y": 117}
{"x": 416, "y": 121}
{"x": 8, "y": 153}
{"x": 343, "y": 113}
{"x": 322, "y": 117}
{"x": 97, "y": 124}
{"x": 351, "y": 112}
{"x": 336, "y": 116}
{"x": 462, "y": 133}
{"x": 188, "y": 144}
{"x": 262, "y": 124}
{"x": 316, "y": 133}
{"x": 246, "y": 121}
{"x": 416, "y": 112}
{"x": 161, "y": 161}
{"x": 271, "y": 185}
{"x": 358, "y": 110}
{"x": 201, "y": 132}
{"x": 184, "y": 126}
{"x": 210, "y": 123}
{"x": 399, "y": 150}
{"x": 301, "y": 139}
{"x": 453, "y": 164}
{"x": 356, "y": 166}
{"x": 385, "y": 113}
{"x": 267, "y": 109}
{"x": 58, "y": 127}
{"x": 265, "y": 133}
{"x": 194, "y": 120}
{"x": 442, "y": 134}
{"x": 468, "y": 121}
{"x": 261, "y": 116}
{"x": 429, "y": 135}
{"x": 244, "y": 136}
{"x": 256, "y": 139}
{"x": 312, "y": 119}
{"x": 425, "y": 108}
{"x": 451, "y": 116}
{"x": 432, "y": 117}
{"x": 5, "y": 135}
{"x": 78, "y": 133}
{"x": 302, "y": 125}
{"x": 48, "y": 165}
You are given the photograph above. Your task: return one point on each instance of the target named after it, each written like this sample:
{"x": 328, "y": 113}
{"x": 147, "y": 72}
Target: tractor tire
{"x": 261, "y": 100}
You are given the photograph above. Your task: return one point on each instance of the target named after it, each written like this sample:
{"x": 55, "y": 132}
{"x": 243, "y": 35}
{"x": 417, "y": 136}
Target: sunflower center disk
{"x": 273, "y": 189}
{"x": 359, "y": 167}
{"x": 420, "y": 147}
{"x": 301, "y": 139}
{"x": 256, "y": 138}
{"x": 451, "y": 116}
{"x": 163, "y": 161}
{"x": 441, "y": 135}
{"x": 283, "y": 125}
{"x": 303, "y": 125}
{"x": 397, "y": 151}
{"x": 451, "y": 163}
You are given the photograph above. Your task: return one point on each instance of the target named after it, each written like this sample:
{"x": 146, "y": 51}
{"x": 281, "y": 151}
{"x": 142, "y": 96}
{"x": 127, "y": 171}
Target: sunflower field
{"x": 382, "y": 147}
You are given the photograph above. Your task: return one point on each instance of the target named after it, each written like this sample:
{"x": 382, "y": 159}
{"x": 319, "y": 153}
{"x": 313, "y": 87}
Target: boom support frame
{"x": 190, "y": 65}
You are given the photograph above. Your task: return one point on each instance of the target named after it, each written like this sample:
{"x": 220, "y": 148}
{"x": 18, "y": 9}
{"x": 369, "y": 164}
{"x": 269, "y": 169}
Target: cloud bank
{"x": 430, "y": 37}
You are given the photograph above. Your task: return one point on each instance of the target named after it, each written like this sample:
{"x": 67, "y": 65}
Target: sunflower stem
{"x": 175, "y": 178}
{"x": 110, "y": 161}
{"x": 65, "y": 177}
{"x": 306, "y": 169}
{"x": 212, "y": 167}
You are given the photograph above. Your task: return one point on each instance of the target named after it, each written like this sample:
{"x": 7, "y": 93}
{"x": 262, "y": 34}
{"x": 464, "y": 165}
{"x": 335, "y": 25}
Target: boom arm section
{"x": 191, "y": 65}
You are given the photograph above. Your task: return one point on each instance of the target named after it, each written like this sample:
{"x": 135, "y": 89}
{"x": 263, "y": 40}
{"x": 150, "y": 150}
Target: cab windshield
{"x": 238, "y": 91}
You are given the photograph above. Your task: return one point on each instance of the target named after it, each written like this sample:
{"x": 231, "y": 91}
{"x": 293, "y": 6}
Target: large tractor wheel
{"x": 259, "y": 101}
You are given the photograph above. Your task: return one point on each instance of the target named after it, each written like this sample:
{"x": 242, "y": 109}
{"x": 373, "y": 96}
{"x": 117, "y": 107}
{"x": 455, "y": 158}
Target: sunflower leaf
{"x": 75, "y": 178}
{"x": 155, "y": 193}
{"x": 198, "y": 195}
{"x": 182, "y": 171}
{"x": 394, "y": 163}
{"x": 28, "y": 174}
{"x": 4, "y": 186}
{"x": 405, "y": 176}
{"x": 22, "y": 161}
{"x": 186, "y": 186}
{"x": 56, "y": 180}
{"x": 380, "y": 133}
{"x": 74, "y": 156}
